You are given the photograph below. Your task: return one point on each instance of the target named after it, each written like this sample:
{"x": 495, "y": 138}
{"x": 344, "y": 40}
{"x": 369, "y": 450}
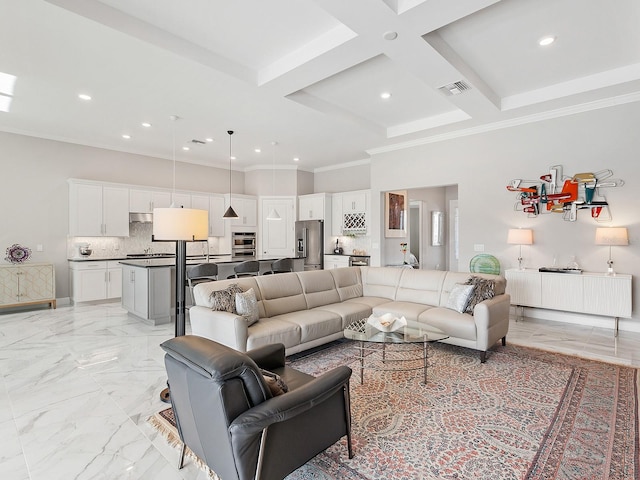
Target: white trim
{"x": 355, "y": 163}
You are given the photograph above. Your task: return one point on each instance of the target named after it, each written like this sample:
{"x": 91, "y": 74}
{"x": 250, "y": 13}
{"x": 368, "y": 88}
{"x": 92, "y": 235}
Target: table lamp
{"x": 520, "y": 236}
{"x": 611, "y": 236}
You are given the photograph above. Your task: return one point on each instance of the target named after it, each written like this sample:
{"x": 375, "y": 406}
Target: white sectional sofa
{"x": 306, "y": 309}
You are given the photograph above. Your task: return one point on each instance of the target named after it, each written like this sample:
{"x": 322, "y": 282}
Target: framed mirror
{"x": 437, "y": 228}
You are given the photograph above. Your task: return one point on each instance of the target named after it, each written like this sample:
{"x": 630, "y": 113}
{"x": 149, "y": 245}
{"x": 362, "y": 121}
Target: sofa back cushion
{"x": 202, "y": 291}
{"x": 348, "y": 282}
{"x": 319, "y": 288}
{"x": 281, "y": 293}
{"x": 461, "y": 277}
{"x": 380, "y": 281}
{"x": 420, "y": 286}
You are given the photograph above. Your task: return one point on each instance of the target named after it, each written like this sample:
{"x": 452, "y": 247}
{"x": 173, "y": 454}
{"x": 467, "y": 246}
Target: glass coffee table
{"x": 404, "y": 349}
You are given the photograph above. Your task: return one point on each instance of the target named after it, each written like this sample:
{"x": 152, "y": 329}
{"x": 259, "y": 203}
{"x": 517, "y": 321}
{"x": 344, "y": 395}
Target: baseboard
{"x": 598, "y": 321}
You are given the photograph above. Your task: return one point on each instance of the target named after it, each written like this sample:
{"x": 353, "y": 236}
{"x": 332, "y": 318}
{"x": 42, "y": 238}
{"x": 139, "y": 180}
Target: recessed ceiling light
{"x": 209, "y": 140}
{"x": 146, "y": 124}
{"x": 257, "y": 150}
{"x": 296, "y": 159}
{"x": 186, "y": 149}
{"x": 126, "y": 136}
{"x": 390, "y": 35}
{"x": 385, "y": 95}
{"x": 233, "y": 158}
{"x": 84, "y": 96}
{"x": 548, "y": 40}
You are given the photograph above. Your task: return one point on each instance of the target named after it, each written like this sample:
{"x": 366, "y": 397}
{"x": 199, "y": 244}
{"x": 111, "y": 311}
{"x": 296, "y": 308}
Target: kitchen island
{"x": 148, "y": 285}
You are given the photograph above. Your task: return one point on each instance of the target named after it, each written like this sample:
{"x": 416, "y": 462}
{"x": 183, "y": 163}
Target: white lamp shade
{"x": 520, "y": 236}
{"x": 612, "y": 236}
{"x": 186, "y": 224}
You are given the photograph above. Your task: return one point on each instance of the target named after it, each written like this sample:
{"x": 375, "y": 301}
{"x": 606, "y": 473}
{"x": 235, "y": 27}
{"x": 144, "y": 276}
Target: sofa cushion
{"x": 348, "y": 282}
{"x": 202, "y": 291}
{"x": 273, "y": 330}
{"x": 368, "y": 301}
{"x": 313, "y": 324}
{"x": 380, "y": 281}
{"x": 247, "y": 306}
{"x": 319, "y": 288}
{"x": 281, "y": 293}
{"x": 225, "y": 300}
{"x": 483, "y": 289}
{"x": 459, "y": 297}
{"x": 348, "y": 311}
{"x": 408, "y": 310}
{"x": 420, "y": 286}
{"x": 454, "y": 324}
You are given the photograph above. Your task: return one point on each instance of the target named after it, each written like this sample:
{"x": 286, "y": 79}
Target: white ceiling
{"x": 306, "y": 73}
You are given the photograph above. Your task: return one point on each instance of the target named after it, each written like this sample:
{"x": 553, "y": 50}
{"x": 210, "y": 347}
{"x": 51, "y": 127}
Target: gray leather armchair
{"x": 226, "y": 414}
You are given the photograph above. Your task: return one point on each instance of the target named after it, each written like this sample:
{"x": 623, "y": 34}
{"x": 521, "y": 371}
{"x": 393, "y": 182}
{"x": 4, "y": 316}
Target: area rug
{"x": 524, "y": 414}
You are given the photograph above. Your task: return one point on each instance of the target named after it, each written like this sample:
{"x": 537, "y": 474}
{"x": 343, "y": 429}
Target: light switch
{"x": 478, "y": 247}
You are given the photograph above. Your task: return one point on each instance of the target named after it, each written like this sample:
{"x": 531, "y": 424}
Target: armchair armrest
{"x": 222, "y": 327}
{"x": 268, "y": 357}
{"x": 290, "y": 404}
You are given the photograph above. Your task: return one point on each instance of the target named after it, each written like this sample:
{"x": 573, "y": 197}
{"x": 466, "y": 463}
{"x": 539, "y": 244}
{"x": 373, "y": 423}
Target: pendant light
{"x": 230, "y": 213}
{"x": 273, "y": 214}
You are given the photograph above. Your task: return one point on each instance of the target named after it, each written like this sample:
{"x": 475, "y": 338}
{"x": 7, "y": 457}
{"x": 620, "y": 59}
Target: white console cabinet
{"x": 590, "y": 293}
{"x": 27, "y": 284}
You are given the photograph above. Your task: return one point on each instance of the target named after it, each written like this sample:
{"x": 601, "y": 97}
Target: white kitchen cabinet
{"x": 590, "y": 293}
{"x": 335, "y": 261}
{"x": 350, "y": 213}
{"x": 27, "y": 284}
{"x": 144, "y": 201}
{"x": 336, "y": 214}
{"x": 97, "y": 210}
{"x": 247, "y": 209}
{"x": 354, "y": 202}
{"x": 95, "y": 280}
{"x": 316, "y": 206}
{"x": 181, "y": 199}
{"x": 147, "y": 293}
{"x": 277, "y": 236}
{"x": 214, "y": 204}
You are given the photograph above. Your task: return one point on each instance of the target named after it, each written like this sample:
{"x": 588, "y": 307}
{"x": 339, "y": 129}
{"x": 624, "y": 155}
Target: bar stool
{"x": 204, "y": 272}
{"x": 249, "y": 268}
{"x": 282, "y": 265}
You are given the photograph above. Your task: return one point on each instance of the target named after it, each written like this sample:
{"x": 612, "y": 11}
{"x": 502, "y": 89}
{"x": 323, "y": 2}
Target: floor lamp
{"x": 180, "y": 225}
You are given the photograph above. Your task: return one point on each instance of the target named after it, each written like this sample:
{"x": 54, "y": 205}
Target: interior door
{"x": 277, "y": 236}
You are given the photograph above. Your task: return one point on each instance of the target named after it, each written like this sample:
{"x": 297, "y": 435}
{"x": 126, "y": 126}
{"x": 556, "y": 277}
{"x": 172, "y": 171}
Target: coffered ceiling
{"x": 307, "y": 74}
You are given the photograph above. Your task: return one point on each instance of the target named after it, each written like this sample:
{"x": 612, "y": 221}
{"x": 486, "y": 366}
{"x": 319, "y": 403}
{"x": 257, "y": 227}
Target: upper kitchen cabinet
{"x": 97, "y": 210}
{"x": 214, "y": 204}
{"x": 247, "y": 209}
{"x": 181, "y": 200}
{"x": 144, "y": 201}
{"x": 350, "y": 213}
{"x": 316, "y": 206}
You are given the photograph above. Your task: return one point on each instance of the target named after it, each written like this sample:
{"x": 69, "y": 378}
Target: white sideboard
{"x": 27, "y": 284}
{"x": 590, "y": 293}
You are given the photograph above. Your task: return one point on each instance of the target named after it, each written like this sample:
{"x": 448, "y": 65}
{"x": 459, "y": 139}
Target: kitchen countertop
{"x": 347, "y": 255}
{"x": 169, "y": 256}
{"x": 170, "y": 262}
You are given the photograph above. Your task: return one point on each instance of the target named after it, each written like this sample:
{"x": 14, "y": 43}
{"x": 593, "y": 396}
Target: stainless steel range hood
{"x": 140, "y": 217}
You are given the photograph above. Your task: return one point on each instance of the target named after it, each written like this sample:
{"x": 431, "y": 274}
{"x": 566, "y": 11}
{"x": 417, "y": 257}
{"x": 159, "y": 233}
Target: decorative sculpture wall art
{"x": 556, "y": 193}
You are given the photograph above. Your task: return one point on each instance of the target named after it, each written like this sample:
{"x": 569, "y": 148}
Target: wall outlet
{"x": 478, "y": 247}
{"x": 39, "y": 248}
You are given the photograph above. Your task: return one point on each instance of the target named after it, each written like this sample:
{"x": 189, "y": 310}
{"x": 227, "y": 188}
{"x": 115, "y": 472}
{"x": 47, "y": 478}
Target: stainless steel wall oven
{"x": 243, "y": 245}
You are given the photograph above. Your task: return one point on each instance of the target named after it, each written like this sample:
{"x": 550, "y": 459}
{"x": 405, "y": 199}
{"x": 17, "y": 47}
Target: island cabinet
{"x": 95, "y": 280}
{"x": 590, "y": 293}
{"x": 335, "y": 261}
{"x": 28, "y": 284}
{"x": 147, "y": 293}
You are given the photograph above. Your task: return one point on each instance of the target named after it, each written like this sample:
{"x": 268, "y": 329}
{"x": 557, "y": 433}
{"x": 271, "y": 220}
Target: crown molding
{"x": 354, "y": 163}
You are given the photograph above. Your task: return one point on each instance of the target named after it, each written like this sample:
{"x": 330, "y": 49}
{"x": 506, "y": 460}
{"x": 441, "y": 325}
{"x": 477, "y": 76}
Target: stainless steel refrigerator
{"x": 310, "y": 243}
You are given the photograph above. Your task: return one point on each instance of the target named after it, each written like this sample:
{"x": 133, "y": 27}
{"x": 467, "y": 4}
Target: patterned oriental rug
{"x": 524, "y": 414}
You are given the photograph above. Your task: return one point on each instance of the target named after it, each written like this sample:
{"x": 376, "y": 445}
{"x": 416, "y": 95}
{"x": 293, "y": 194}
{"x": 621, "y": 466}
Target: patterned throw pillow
{"x": 483, "y": 289}
{"x": 225, "y": 300}
{"x": 275, "y": 383}
{"x": 458, "y": 297}
{"x": 247, "y": 306}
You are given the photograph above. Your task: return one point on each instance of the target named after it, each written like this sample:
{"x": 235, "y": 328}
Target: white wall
{"x": 349, "y": 178}
{"x": 34, "y": 194}
{"x": 482, "y": 165}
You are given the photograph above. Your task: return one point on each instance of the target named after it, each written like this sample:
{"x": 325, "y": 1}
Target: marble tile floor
{"x": 78, "y": 384}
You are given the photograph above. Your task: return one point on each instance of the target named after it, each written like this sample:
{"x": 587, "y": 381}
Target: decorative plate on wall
{"x": 484, "y": 263}
{"x": 17, "y": 253}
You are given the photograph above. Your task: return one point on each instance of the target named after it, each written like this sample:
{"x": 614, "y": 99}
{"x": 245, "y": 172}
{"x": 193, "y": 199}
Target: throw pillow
{"x": 459, "y": 296}
{"x": 274, "y": 382}
{"x": 225, "y": 300}
{"x": 247, "y": 306}
{"x": 483, "y": 289}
